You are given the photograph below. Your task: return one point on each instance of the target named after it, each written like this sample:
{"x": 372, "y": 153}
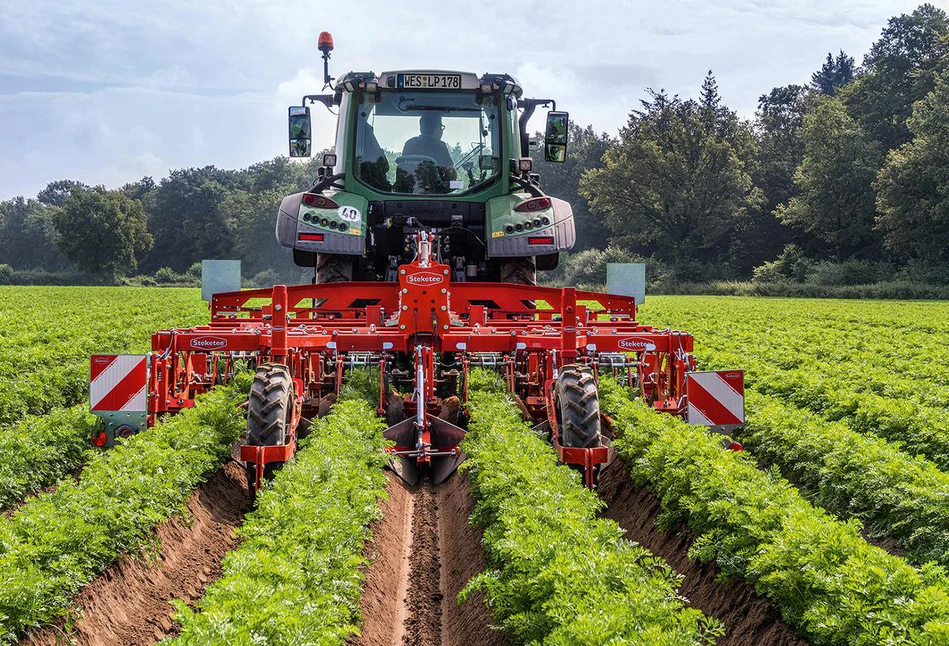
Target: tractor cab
{"x": 441, "y": 152}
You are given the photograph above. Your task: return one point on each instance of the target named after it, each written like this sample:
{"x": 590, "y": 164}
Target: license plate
{"x": 430, "y": 81}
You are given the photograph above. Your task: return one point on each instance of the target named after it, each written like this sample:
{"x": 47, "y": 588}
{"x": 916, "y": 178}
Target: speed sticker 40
{"x": 349, "y": 213}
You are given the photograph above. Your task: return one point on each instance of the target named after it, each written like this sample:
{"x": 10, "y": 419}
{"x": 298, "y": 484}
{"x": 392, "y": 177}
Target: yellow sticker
{"x": 497, "y": 234}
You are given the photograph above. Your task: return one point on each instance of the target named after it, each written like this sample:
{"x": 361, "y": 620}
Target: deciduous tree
{"x": 103, "y": 232}
{"x": 835, "y": 201}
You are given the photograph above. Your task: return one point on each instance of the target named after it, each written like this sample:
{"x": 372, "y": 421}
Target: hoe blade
{"x": 406, "y": 469}
{"x": 443, "y": 467}
{"x": 445, "y": 434}
{"x": 403, "y": 433}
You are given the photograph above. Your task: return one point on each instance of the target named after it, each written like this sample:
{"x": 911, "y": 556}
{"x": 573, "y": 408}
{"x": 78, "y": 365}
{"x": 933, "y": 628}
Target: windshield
{"x": 432, "y": 143}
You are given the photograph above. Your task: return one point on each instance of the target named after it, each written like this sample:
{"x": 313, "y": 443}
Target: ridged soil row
{"x": 129, "y": 603}
{"x": 423, "y": 552}
{"x": 750, "y": 620}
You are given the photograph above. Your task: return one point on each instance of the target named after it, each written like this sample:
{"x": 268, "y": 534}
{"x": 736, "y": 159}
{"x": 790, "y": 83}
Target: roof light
{"x": 320, "y": 202}
{"x": 311, "y": 237}
{"x": 533, "y": 204}
{"x": 325, "y": 42}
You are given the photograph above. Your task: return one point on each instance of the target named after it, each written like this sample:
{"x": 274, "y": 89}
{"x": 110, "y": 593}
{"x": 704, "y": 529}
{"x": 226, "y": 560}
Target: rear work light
{"x": 320, "y": 202}
{"x": 311, "y": 237}
{"x": 541, "y": 240}
{"x": 533, "y": 204}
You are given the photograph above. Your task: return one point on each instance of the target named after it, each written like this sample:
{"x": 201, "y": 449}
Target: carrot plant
{"x": 39, "y": 450}
{"x": 296, "y": 577}
{"x": 57, "y": 542}
{"x": 827, "y": 581}
{"x": 558, "y": 573}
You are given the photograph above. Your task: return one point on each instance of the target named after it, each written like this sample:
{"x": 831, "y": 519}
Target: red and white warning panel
{"x": 118, "y": 382}
{"x": 716, "y": 398}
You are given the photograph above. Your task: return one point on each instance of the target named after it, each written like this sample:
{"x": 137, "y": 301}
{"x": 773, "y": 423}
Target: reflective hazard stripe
{"x": 716, "y": 398}
{"x": 118, "y": 382}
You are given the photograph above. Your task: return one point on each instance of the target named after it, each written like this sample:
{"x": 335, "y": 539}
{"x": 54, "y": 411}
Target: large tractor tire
{"x": 578, "y": 407}
{"x": 519, "y": 271}
{"x": 269, "y": 415}
{"x": 334, "y": 268}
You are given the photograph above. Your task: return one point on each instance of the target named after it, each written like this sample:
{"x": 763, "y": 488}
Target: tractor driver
{"x": 429, "y": 143}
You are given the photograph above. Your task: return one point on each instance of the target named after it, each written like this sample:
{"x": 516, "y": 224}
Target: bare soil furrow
{"x": 422, "y": 554}
{"x": 750, "y": 620}
{"x": 129, "y": 603}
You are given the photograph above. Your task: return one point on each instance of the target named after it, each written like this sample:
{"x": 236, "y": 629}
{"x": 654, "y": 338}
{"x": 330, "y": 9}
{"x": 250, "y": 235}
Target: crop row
{"x": 296, "y": 577}
{"x": 827, "y": 581}
{"x": 47, "y": 335}
{"x": 894, "y": 494}
{"x": 918, "y": 429}
{"x": 837, "y": 392}
{"x": 39, "y": 450}
{"x": 558, "y": 573}
{"x": 56, "y": 542}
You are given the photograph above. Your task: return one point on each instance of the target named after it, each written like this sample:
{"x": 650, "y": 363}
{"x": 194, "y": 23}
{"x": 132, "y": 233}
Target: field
{"x": 832, "y": 527}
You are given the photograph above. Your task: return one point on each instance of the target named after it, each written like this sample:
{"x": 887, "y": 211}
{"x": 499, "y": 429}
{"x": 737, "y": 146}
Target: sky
{"x": 108, "y": 91}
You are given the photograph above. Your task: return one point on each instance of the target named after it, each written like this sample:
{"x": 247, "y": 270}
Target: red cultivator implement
{"x": 424, "y": 333}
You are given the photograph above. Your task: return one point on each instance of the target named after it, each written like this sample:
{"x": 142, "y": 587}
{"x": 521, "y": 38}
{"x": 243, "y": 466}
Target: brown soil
{"x": 383, "y": 592}
{"x": 423, "y": 620}
{"x": 423, "y": 552}
{"x": 128, "y": 604}
{"x": 750, "y": 620}
{"x": 462, "y": 558}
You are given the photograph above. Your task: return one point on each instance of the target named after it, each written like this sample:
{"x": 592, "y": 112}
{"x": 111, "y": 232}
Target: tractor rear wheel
{"x": 269, "y": 415}
{"x": 334, "y": 268}
{"x": 578, "y": 407}
{"x": 519, "y": 271}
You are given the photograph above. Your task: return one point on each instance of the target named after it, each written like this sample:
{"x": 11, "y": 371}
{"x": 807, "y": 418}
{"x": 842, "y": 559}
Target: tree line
{"x": 850, "y": 170}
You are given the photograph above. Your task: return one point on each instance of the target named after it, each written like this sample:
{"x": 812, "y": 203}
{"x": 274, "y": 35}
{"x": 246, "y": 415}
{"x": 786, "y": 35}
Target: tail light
{"x": 311, "y": 237}
{"x": 540, "y": 240}
{"x": 100, "y": 439}
{"x": 533, "y": 204}
{"x": 320, "y": 202}
{"x": 735, "y": 446}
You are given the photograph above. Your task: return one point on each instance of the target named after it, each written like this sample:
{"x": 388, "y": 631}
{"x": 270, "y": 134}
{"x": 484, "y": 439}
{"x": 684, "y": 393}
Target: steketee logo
{"x": 208, "y": 343}
{"x": 637, "y": 344}
{"x": 424, "y": 279}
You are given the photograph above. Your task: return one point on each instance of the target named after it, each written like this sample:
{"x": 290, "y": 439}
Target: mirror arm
{"x": 325, "y": 183}
{"x": 527, "y": 185}
{"x": 325, "y": 99}
{"x": 528, "y": 106}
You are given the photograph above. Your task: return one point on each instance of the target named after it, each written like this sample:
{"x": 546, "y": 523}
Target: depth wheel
{"x": 334, "y": 268}
{"x": 578, "y": 407}
{"x": 269, "y": 415}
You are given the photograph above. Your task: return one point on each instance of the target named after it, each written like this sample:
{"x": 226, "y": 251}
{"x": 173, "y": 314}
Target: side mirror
{"x": 299, "y": 120}
{"x": 555, "y": 137}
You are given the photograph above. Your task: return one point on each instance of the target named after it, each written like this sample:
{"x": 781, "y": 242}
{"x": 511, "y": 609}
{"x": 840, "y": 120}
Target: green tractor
{"x": 445, "y": 153}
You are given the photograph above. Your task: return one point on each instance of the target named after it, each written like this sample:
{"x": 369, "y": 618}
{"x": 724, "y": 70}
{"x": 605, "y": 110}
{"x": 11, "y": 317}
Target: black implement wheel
{"x": 334, "y": 268}
{"x": 269, "y": 415}
{"x": 578, "y": 407}
{"x": 519, "y": 271}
